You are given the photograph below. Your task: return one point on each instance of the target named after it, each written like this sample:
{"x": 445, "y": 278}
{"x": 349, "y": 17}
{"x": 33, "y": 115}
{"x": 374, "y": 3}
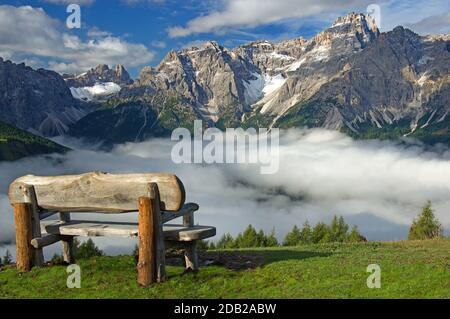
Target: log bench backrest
{"x": 98, "y": 192}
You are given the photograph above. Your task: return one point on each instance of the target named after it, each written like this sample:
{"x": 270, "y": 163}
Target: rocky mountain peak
{"x": 102, "y": 73}
{"x": 357, "y": 20}
{"x": 348, "y": 33}
{"x": 36, "y": 100}
{"x": 212, "y": 45}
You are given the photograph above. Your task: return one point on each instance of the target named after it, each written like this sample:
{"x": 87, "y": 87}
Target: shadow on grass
{"x": 284, "y": 255}
{"x": 251, "y": 259}
{"x": 244, "y": 260}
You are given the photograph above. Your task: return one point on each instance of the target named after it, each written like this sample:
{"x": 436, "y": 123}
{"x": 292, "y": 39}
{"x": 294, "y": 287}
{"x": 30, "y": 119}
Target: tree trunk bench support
{"x": 190, "y": 247}
{"x": 158, "y": 198}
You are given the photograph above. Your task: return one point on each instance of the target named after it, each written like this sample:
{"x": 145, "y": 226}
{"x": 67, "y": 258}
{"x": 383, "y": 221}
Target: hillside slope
{"x": 16, "y": 143}
{"x": 37, "y": 100}
{"x": 408, "y": 270}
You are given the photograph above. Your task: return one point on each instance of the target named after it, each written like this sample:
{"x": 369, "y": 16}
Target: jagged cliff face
{"x": 297, "y": 69}
{"x": 400, "y": 77}
{"x": 98, "y": 84}
{"x": 100, "y": 74}
{"x": 263, "y": 77}
{"x": 212, "y": 78}
{"x": 36, "y": 100}
{"x": 348, "y": 77}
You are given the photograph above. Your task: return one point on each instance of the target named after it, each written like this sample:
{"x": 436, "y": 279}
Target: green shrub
{"x": 306, "y": 233}
{"x": 337, "y": 231}
{"x": 321, "y": 233}
{"x": 250, "y": 238}
{"x": 355, "y": 236}
{"x": 426, "y": 226}
{"x": 7, "y": 259}
{"x": 57, "y": 259}
{"x": 293, "y": 238}
{"x": 270, "y": 240}
{"x": 81, "y": 250}
{"x": 202, "y": 245}
{"x": 86, "y": 249}
{"x": 225, "y": 242}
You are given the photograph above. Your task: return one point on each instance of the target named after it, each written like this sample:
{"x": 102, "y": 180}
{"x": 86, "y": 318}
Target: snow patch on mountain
{"x": 262, "y": 86}
{"x": 96, "y": 92}
{"x": 296, "y": 65}
{"x": 273, "y": 83}
{"x": 281, "y": 56}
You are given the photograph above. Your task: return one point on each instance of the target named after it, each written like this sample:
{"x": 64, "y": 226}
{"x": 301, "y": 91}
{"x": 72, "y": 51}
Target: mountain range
{"x": 350, "y": 77}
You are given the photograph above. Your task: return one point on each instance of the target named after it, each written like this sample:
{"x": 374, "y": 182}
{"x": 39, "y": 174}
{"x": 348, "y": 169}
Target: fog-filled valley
{"x": 379, "y": 186}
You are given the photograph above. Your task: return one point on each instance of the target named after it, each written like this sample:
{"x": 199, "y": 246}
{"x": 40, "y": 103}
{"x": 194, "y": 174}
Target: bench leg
{"x": 38, "y": 254}
{"x": 146, "y": 263}
{"x": 191, "y": 256}
{"x": 24, "y": 253}
{"x": 67, "y": 242}
{"x": 190, "y": 248}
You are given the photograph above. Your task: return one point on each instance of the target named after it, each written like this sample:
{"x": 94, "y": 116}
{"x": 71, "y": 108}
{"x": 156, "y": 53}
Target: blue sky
{"x": 140, "y": 32}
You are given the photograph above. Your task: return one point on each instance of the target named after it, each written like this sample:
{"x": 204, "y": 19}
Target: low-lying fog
{"x": 379, "y": 186}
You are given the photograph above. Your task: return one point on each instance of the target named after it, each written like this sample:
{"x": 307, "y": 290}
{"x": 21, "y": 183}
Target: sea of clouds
{"x": 379, "y": 186}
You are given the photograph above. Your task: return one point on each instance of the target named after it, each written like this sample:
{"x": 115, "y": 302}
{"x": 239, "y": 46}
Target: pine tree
{"x": 321, "y": 233}
{"x": 249, "y": 238}
{"x": 7, "y": 259}
{"x": 426, "y": 226}
{"x": 306, "y": 234}
{"x": 293, "y": 238}
{"x": 355, "y": 236}
{"x": 86, "y": 249}
{"x": 271, "y": 239}
{"x": 202, "y": 245}
{"x": 225, "y": 242}
{"x": 260, "y": 239}
{"x": 338, "y": 230}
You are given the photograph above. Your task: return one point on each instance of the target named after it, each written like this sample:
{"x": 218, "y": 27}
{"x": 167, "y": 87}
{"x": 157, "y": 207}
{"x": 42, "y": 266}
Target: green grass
{"x": 419, "y": 269}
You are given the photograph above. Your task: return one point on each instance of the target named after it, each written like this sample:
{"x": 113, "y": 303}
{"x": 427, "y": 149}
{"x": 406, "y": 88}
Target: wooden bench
{"x": 158, "y": 198}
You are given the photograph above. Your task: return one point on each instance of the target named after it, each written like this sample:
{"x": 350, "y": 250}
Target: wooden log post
{"x": 45, "y": 241}
{"x": 67, "y": 242}
{"x": 38, "y": 254}
{"x": 24, "y": 252}
{"x": 146, "y": 267}
{"x": 158, "y": 233}
{"x": 190, "y": 247}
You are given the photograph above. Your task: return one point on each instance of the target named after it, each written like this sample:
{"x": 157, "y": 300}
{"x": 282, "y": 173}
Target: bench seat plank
{"x": 122, "y": 229}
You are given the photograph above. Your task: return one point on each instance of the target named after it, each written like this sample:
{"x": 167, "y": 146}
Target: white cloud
{"x": 423, "y": 17}
{"x": 250, "y": 13}
{"x": 158, "y": 44}
{"x": 380, "y": 186}
{"x": 236, "y": 14}
{"x": 29, "y": 32}
{"x": 432, "y": 25}
{"x": 134, "y": 2}
{"x": 67, "y": 2}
